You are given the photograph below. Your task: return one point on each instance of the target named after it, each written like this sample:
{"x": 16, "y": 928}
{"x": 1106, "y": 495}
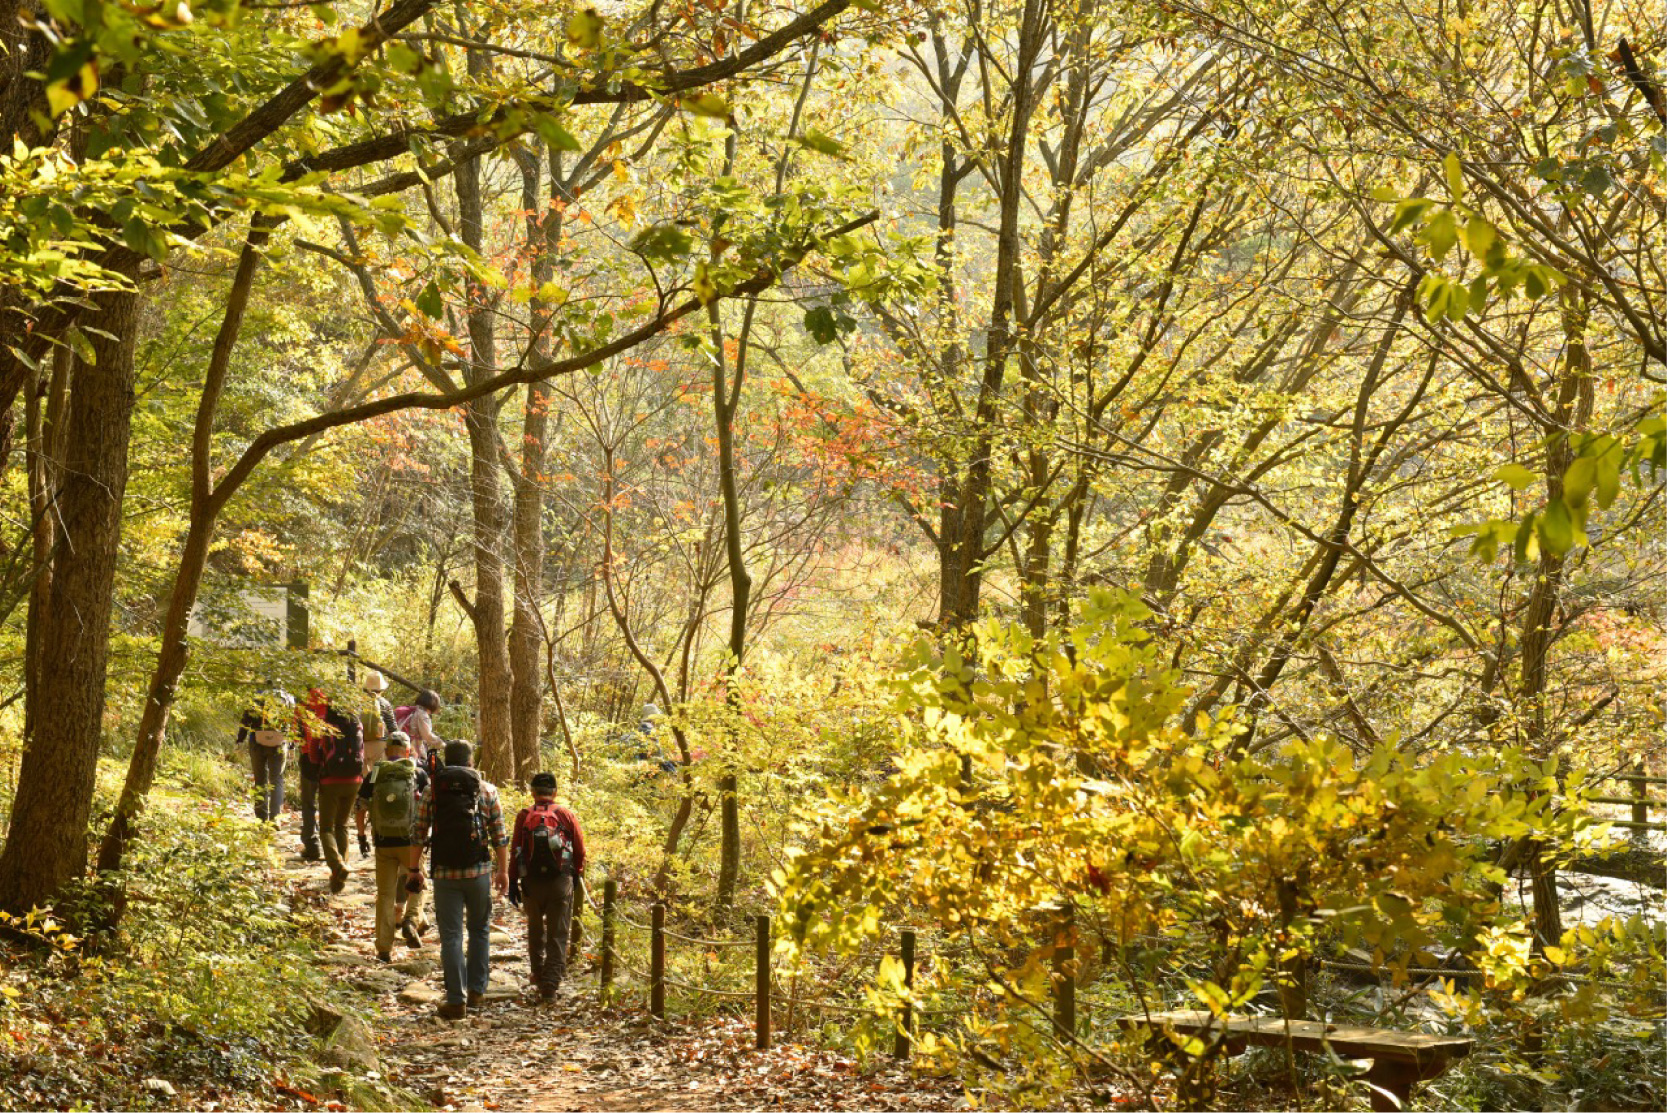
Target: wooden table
{"x": 1399, "y": 1059}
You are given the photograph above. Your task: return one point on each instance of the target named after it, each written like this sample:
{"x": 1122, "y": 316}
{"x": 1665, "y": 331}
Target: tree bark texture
{"x": 46, "y": 847}
{"x": 527, "y": 539}
{"x": 480, "y": 417}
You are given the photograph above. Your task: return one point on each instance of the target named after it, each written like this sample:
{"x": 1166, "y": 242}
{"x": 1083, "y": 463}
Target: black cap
{"x": 544, "y": 781}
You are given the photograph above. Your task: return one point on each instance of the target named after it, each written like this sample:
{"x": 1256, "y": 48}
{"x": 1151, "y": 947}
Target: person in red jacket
{"x": 546, "y": 862}
{"x": 335, "y": 748}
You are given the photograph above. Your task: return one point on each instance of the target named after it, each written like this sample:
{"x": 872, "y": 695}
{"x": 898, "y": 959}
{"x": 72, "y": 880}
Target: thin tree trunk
{"x": 527, "y": 541}
{"x": 46, "y": 847}
{"x": 486, "y": 609}
{"x": 193, "y": 558}
{"x": 1573, "y": 414}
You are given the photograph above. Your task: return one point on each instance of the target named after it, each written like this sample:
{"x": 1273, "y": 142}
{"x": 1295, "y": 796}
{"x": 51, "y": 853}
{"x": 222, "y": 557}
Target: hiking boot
{"x": 311, "y": 854}
{"x": 338, "y": 879}
{"x": 547, "y": 993}
{"x": 409, "y": 934}
{"x": 452, "y": 1010}
{"x": 384, "y": 956}
{"x": 476, "y": 1000}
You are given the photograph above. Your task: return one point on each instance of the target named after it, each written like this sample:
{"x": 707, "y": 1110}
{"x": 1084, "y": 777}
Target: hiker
{"x": 389, "y": 798}
{"x": 377, "y": 718}
{"x": 336, "y": 747}
{"x": 265, "y": 727}
{"x": 462, "y": 823}
{"x": 307, "y": 724}
{"x": 377, "y": 722}
{"x": 418, "y": 722}
{"x": 546, "y": 863}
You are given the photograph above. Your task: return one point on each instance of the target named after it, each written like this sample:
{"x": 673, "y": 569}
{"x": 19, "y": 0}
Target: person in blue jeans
{"x": 461, "y": 823}
{"x": 266, "y": 729}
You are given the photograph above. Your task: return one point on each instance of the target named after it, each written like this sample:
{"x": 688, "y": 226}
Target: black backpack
{"x": 344, "y": 746}
{"x": 459, "y": 830}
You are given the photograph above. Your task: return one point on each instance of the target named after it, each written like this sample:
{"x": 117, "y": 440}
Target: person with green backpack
{"x": 389, "y": 798}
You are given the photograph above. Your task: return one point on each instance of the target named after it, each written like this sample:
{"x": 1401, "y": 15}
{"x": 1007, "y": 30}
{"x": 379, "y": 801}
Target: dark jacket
{"x": 274, "y": 710}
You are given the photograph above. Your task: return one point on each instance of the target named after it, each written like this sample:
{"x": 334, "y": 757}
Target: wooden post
{"x": 657, "y": 963}
{"x": 576, "y": 929}
{"x": 1293, "y": 976}
{"x": 904, "y": 1044}
{"x": 1640, "y": 806}
{"x": 762, "y": 993}
{"x": 609, "y": 887}
{"x": 1065, "y": 975}
{"x": 295, "y": 616}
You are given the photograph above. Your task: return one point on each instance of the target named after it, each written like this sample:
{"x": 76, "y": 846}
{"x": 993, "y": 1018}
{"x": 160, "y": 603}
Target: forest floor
{"x": 514, "y": 1053}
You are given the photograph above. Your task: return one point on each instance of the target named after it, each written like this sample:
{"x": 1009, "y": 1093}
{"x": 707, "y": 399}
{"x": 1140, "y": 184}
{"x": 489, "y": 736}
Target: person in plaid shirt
{"x": 461, "y": 821}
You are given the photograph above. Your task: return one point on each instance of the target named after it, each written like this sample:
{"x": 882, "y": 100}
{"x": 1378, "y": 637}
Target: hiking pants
{"x": 335, "y": 804}
{"x": 453, "y": 897}
{"x": 309, "y": 814}
{"x": 268, "y": 763}
{"x": 390, "y": 894}
{"x": 548, "y": 903}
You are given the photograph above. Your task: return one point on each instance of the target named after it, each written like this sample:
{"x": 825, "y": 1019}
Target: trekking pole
{"x": 762, "y": 931}
{"x": 608, "y": 888}
{"x": 657, "y": 962}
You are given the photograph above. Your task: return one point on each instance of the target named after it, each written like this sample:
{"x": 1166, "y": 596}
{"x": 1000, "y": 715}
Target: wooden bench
{"x": 1399, "y": 1059}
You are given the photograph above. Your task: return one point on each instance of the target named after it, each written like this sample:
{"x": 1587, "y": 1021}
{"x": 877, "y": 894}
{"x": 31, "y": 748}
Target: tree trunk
{"x": 1573, "y": 413}
{"x": 480, "y": 417}
{"x": 205, "y": 506}
{"x": 46, "y": 847}
{"x": 526, "y": 631}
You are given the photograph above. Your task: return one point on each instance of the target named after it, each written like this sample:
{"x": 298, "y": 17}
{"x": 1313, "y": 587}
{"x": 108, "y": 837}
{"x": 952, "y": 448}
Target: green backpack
{"x": 393, "y": 799}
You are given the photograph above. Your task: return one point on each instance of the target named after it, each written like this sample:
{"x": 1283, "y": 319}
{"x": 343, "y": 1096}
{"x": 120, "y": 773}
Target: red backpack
{"x": 549, "y": 844}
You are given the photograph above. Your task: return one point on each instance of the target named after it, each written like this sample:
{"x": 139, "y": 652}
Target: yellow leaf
{"x": 584, "y": 29}
{"x": 707, "y": 104}
{"x": 705, "y": 289}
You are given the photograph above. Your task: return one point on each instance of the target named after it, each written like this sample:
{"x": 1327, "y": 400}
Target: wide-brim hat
{"x": 375, "y": 682}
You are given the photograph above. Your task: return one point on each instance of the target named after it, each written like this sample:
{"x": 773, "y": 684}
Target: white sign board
{"x": 256, "y": 617}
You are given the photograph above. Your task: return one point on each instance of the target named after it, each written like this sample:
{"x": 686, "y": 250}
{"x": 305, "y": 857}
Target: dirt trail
{"x": 514, "y": 1053}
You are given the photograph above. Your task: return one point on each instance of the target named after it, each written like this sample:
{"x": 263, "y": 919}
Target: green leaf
{"x": 1608, "y": 478}
{"x": 819, "y": 322}
{"x": 1441, "y": 231}
{"x": 430, "y": 302}
{"x": 706, "y": 104}
{"x": 1478, "y": 293}
{"x": 82, "y": 347}
{"x": 1479, "y": 236}
{"x": 1526, "y": 545}
{"x": 558, "y": 137}
{"x": 821, "y": 143}
{"x": 1558, "y": 532}
{"x": 662, "y": 243}
{"x": 402, "y": 58}
{"x": 1408, "y": 213}
{"x": 1579, "y": 478}
{"x": 1517, "y": 476}
{"x": 1455, "y": 175}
